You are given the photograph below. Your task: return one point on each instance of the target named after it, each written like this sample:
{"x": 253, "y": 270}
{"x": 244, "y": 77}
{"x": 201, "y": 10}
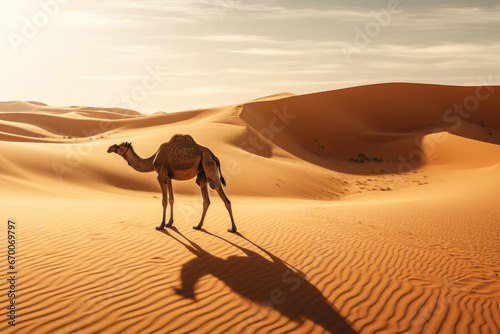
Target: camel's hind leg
{"x": 211, "y": 172}
{"x": 227, "y": 202}
{"x": 170, "y": 201}
{"x": 201, "y": 180}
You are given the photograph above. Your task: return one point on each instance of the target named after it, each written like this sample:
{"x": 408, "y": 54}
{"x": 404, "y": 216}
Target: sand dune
{"x": 367, "y": 209}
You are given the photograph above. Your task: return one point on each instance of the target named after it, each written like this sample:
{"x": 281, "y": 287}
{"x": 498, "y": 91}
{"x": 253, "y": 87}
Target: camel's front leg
{"x": 163, "y": 186}
{"x": 171, "y": 201}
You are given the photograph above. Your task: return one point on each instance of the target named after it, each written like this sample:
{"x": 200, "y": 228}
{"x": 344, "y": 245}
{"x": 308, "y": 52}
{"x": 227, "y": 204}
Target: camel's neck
{"x": 139, "y": 164}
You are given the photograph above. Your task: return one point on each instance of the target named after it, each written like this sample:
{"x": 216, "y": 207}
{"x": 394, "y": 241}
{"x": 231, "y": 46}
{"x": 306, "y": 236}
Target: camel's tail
{"x": 220, "y": 173}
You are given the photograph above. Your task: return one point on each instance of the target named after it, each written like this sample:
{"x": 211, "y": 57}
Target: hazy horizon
{"x": 180, "y": 55}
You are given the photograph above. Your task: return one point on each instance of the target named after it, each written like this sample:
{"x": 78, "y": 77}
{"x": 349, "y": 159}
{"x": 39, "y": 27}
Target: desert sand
{"x": 367, "y": 209}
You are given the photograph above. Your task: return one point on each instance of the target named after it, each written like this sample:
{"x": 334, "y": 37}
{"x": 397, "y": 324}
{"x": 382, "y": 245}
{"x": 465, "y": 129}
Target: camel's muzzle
{"x": 113, "y": 149}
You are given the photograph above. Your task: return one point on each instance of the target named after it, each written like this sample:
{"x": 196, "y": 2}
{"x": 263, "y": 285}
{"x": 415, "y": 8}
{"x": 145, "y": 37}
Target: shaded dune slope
{"x": 384, "y": 121}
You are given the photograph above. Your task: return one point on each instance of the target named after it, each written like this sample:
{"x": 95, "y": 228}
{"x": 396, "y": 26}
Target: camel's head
{"x": 120, "y": 149}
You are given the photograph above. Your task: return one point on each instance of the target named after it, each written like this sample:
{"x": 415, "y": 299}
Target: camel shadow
{"x": 270, "y": 283}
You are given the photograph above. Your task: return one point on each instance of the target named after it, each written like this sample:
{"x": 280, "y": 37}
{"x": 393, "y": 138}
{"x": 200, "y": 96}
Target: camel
{"x": 181, "y": 158}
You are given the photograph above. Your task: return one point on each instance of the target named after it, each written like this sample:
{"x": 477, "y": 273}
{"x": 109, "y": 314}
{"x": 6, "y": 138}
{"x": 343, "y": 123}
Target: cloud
{"x": 112, "y": 77}
{"x": 470, "y": 52}
{"x": 236, "y": 38}
{"x": 268, "y": 52}
{"x": 312, "y": 70}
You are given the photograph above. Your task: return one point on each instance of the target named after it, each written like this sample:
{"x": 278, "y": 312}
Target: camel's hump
{"x": 179, "y": 137}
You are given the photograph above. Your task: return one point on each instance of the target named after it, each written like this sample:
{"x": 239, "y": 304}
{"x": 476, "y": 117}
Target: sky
{"x": 175, "y": 55}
